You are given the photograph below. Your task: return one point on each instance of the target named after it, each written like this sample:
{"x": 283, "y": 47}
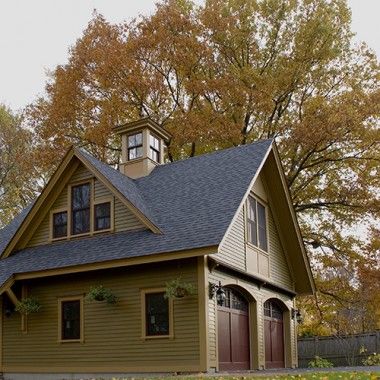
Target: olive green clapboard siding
{"x": 256, "y": 297}
{"x": 233, "y": 250}
{"x": 123, "y": 218}
{"x": 112, "y": 333}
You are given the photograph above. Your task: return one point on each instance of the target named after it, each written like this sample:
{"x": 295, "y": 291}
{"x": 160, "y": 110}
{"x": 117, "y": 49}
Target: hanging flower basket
{"x": 100, "y": 293}
{"x": 178, "y": 289}
{"x": 27, "y": 306}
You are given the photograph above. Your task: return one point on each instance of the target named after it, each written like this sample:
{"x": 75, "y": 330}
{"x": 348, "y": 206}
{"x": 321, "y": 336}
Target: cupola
{"x": 143, "y": 144}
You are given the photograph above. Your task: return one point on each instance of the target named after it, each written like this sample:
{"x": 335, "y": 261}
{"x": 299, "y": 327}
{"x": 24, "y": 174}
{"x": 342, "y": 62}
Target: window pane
{"x": 263, "y": 244}
{"x": 81, "y": 196}
{"x": 135, "y": 153}
{"x": 103, "y": 216}
{"x": 157, "y": 314}
{"x": 252, "y": 232}
{"x": 154, "y": 142}
{"x": 134, "y": 140}
{"x": 252, "y": 221}
{"x": 71, "y": 319}
{"x": 252, "y": 209}
{"x": 154, "y": 155}
{"x": 81, "y": 221}
{"x": 60, "y": 224}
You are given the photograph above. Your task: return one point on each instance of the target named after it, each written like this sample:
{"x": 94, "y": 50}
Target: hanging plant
{"x": 178, "y": 289}
{"x": 100, "y": 293}
{"x": 28, "y": 305}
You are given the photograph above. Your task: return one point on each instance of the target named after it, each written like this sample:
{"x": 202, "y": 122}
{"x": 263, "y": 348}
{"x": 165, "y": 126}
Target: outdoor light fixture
{"x": 296, "y": 314}
{"x": 217, "y": 290}
{"x": 8, "y": 312}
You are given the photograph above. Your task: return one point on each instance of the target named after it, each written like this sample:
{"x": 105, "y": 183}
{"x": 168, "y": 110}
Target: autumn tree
{"x": 227, "y": 73}
{"x": 18, "y": 180}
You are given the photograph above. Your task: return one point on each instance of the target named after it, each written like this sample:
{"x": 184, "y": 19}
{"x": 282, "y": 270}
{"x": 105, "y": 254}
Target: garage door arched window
{"x": 273, "y": 310}
{"x": 235, "y": 300}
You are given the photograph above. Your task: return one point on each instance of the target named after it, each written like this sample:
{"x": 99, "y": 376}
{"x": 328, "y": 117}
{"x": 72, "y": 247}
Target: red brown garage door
{"x": 233, "y": 333}
{"x": 274, "y": 335}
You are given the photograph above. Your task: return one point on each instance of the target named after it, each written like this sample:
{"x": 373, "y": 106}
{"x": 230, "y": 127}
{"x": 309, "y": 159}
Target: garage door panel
{"x": 277, "y": 336}
{"x": 240, "y": 338}
{"x": 224, "y": 336}
{"x": 274, "y": 335}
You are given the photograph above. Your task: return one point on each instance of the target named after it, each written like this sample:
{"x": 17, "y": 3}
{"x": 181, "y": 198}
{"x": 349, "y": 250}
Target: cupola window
{"x": 154, "y": 152}
{"x": 135, "y": 146}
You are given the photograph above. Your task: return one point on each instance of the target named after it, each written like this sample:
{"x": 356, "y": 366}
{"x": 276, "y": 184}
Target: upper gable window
{"x": 80, "y": 208}
{"x": 59, "y": 224}
{"x": 102, "y": 216}
{"x": 135, "y": 146}
{"x": 257, "y": 224}
{"x": 154, "y": 152}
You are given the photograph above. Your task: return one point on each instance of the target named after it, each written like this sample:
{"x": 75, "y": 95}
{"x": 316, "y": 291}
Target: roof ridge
{"x": 215, "y": 152}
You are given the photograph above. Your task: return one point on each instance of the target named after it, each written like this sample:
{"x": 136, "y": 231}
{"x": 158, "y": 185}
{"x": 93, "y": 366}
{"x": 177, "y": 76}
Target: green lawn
{"x": 305, "y": 376}
{"x": 311, "y": 376}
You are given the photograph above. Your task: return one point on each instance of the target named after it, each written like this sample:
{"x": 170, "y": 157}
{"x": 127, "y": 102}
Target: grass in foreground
{"x": 305, "y": 376}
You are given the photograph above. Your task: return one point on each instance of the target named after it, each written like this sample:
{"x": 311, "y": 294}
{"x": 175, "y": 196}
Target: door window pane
{"x": 157, "y": 314}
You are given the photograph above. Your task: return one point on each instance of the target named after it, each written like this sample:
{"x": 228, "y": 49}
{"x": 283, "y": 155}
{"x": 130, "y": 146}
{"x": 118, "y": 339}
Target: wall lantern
{"x": 296, "y": 314}
{"x": 8, "y": 312}
{"x": 218, "y": 291}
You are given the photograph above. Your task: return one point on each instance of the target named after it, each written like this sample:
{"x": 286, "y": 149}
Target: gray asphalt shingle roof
{"x": 192, "y": 201}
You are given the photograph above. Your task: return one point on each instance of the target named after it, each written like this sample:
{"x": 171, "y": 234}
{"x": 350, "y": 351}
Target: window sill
{"x": 58, "y": 239}
{"x": 102, "y": 231}
{"x": 157, "y": 337}
{"x": 71, "y": 341}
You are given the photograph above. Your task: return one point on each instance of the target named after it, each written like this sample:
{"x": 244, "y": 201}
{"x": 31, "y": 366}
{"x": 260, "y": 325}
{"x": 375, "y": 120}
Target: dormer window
{"x": 154, "y": 152}
{"x": 135, "y": 146}
{"x": 59, "y": 224}
{"x": 102, "y": 216}
{"x": 80, "y": 209}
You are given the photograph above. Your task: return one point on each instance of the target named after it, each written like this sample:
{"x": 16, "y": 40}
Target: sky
{"x": 36, "y": 35}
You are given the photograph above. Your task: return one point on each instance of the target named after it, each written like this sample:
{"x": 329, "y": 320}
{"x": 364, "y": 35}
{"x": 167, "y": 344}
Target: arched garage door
{"x": 274, "y": 334}
{"x": 233, "y": 332}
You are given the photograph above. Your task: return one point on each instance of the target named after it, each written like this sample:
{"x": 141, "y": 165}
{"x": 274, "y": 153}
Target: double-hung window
{"x": 135, "y": 146}
{"x": 154, "y": 150}
{"x": 70, "y": 319}
{"x": 257, "y": 224}
{"x": 102, "y": 214}
{"x": 59, "y": 224}
{"x": 157, "y": 315}
{"x": 80, "y": 209}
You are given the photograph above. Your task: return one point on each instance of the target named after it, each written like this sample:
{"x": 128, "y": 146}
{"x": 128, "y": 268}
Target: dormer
{"x": 143, "y": 145}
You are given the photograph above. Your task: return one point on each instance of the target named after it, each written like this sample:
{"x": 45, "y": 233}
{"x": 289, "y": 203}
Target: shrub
{"x": 319, "y": 362}
{"x": 28, "y": 305}
{"x": 100, "y": 293}
{"x": 178, "y": 289}
{"x": 373, "y": 359}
